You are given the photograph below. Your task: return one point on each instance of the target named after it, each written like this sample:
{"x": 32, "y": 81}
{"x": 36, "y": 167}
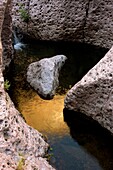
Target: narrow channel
{"x": 76, "y": 144}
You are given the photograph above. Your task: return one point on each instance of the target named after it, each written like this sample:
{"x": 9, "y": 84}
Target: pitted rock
{"x": 52, "y": 20}
{"x": 43, "y": 75}
{"x": 93, "y": 95}
{"x": 88, "y": 21}
{"x": 18, "y": 141}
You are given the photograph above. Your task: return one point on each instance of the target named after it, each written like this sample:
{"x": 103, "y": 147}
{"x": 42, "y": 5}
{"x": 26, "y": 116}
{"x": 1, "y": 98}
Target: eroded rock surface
{"x": 98, "y": 29}
{"x": 52, "y": 20}
{"x": 7, "y": 54}
{"x": 21, "y": 147}
{"x": 18, "y": 141}
{"x": 43, "y": 75}
{"x": 93, "y": 95}
{"x": 89, "y": 21}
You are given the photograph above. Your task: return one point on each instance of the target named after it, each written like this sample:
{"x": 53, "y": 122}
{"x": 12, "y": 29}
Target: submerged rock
{"x": 93, "y": 95}
{"x": 43, "y": 75}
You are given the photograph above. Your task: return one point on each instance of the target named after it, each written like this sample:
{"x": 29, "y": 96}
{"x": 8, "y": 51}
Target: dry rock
{"x": 51, "y": 20}
{"x": 93, "y": 95}
{"x": 19, "y": 143}
{"x": 6, "y": 36}
{"x": 89, "y": 21}
{"x": 43, "y": 75}
{"x": 99, "y": 24}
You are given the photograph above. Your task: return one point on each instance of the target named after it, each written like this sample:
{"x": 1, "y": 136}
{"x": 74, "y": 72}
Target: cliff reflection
{"x": 91, "y": 136}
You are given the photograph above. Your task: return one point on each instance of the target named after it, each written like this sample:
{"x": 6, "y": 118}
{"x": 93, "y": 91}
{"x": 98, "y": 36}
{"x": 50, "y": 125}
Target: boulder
{"x": 88, "y": 21}
{"x": 43, "y": 75}
{"x": 93, "y": 94}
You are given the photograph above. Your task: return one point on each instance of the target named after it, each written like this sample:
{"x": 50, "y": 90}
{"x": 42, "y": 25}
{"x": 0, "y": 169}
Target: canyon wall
{"x": 89, "y": 21}
{"x": 6, "y": 36}
{"x": 21, "y": 146}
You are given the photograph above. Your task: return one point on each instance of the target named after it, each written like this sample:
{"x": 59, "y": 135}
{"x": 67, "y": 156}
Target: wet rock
{"x": 43, "y": 75}
{"x": 93, "y": 95}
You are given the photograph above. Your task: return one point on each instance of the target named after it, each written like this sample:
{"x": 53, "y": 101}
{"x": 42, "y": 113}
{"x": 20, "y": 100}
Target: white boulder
{"x": 43, "y": 75}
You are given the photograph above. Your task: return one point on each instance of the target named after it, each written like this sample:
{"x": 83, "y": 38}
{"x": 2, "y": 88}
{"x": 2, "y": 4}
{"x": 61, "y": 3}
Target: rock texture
{"x": 18, "y": 141}
{"x": 43, "y": 75}
{"x": 21, "y": 147}
{"x": 99, "y": 24}
{"x": 52, "y": 20}
{"x": 7, "y": 36}
{"x": 89, "y": 21}
{"x": 93, "y": 95}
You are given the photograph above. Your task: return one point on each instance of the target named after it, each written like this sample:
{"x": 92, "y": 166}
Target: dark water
{"x": 77, "y": 143}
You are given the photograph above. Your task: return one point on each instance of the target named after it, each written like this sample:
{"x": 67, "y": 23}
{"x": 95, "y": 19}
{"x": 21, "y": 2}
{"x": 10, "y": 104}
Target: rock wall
{"x": 99, "y": 23}
{"x": 89, "y": 21}
{"x": 21, "y": 147}
{"x": 6, "y": 36}
{"x": 93, "y": 95}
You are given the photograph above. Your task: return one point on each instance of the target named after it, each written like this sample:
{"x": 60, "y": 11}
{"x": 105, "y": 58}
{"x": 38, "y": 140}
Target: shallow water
{"x": 75, "y": 142}
{"x": 44, "y": 115}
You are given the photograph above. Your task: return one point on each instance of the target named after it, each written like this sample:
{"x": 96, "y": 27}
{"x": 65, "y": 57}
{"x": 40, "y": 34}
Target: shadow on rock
{"x": 96, "y": 140}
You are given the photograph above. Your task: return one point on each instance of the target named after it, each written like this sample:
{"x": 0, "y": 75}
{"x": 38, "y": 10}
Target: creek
{"x": 77, "y": 143}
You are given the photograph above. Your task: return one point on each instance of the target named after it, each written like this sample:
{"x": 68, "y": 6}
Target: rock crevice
{"x": 85, "y": 20}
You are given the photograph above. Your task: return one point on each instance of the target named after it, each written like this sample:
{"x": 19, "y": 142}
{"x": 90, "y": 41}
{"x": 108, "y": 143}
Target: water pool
{"x": 75, "y": 143}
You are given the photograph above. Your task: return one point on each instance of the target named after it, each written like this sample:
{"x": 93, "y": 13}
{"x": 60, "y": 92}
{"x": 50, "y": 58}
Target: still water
{"x": 77, "y": 143}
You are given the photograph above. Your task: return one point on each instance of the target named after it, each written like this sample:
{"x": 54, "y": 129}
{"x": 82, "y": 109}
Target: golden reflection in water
{"x": 44, "y": 115}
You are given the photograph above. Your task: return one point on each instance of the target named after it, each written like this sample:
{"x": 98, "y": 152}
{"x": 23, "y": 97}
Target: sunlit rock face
{"x": 86, "y": 21}
{"x": 43, "y": 75}
{"x": 93, "y": 95}
{"x": 7, "y": 163}
{"x": 19, "y": 141}
{"x": 21, "y": 147}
